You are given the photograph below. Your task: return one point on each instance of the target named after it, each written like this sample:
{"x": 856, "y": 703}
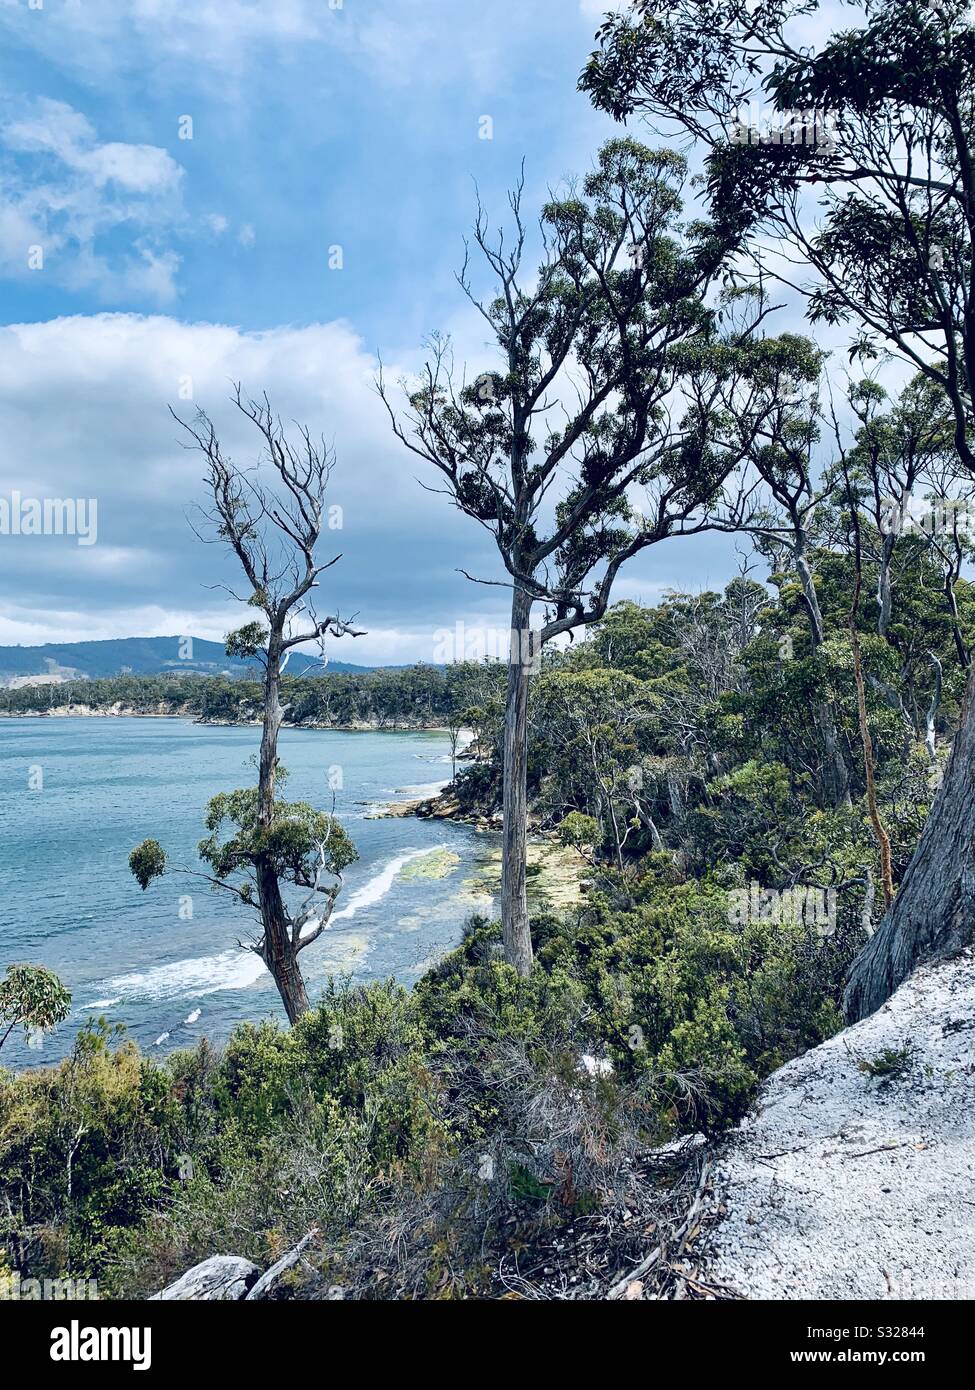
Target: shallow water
{"x": 166, "y": 962}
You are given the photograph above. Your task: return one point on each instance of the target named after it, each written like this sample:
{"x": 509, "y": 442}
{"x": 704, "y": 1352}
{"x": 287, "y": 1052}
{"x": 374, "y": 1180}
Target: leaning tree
{"x": 864, "y": 171}
{"x": 260, "y": 847}
{"x": 617, "y": 372}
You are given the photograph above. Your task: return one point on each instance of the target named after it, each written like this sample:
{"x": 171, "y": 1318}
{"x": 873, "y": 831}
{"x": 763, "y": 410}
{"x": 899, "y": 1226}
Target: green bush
{"x": 382, "y": 1109}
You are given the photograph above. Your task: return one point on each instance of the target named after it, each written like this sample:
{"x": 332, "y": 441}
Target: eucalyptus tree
{"x": 616, "y": 330}
{"x": 875, "y": 125}
{"x": 33, "y": 998}
{"x": 271, "y": 517}
{"x": 595, "y": 721}
{"x": 781, "y": 503}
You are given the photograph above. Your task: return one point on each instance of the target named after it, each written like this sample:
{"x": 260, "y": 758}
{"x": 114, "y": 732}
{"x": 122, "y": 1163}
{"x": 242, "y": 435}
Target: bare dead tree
{"x": 271, "y": 516}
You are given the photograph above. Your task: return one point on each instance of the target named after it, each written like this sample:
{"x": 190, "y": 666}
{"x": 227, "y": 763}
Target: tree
{"x": 596, "y": 718}
{"x": 879, "y": 123}
{"x": 272, "y": 520}
{"x": 780, "y": 504}
{"x": 33, "y": 998}
{"x": 616, "y": 330}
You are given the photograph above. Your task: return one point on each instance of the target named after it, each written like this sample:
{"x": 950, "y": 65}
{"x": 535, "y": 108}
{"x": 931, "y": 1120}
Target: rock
{"x": 222, "y": 1277}
{"x": 852, "y": 1178}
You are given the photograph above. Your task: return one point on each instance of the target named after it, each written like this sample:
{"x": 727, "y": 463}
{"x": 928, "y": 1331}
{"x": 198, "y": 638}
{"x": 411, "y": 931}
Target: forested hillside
{"x": 134, "y": 656}
{"x": 680, "y": 748}
{"x": 388, "y": 698}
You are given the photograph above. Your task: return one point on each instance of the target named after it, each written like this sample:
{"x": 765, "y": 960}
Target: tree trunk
{"x": 514, "y": 898}
{"x": 279, "y": 955}
{"x": 963, "y": 657}
{"x": 885, "y": 592}
{"x": 269, "y": 732}
{"x": 836, "y": 775}
{"x": 933, "y": 914}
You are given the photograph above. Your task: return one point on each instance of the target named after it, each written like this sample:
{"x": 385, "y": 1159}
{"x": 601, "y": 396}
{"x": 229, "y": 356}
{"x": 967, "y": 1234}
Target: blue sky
{"x": 315, "y": 125}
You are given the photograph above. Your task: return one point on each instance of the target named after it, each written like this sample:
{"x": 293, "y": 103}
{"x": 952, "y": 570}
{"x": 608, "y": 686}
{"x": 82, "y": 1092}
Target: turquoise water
{"x": 166, "y": 962}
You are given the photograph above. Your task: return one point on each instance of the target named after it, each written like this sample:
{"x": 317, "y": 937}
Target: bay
{"x": 77, "y": 794}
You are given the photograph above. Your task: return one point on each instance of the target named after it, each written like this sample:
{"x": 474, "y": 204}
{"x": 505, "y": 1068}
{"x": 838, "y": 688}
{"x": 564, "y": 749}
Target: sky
{"x": 193, "y": 194}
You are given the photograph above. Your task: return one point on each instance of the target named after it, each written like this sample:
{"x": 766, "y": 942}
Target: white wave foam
{"x": 376, "y": 889}
{"x": 236, "y": 969}
{"x": 190, "y": 979}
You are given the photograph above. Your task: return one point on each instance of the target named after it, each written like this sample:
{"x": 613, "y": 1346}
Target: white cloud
{"x": 66, "y": 193}
{"x": 21, "y": 627}
{"x": 388, "y": 39}
{"x": 214, "y": 31}
{"x": 84, "y": 414}
{"x": 58, "y": 129}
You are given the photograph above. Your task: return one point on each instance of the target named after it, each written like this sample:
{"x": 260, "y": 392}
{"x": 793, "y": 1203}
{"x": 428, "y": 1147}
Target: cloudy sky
{"x": 138, "y": 264}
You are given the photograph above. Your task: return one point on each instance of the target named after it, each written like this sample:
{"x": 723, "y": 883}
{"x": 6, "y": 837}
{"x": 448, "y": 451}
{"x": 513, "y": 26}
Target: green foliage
{"x": 890, "y": 1064}
{"x": 32, "y": 997}
{"x": 147, "y": 861}
{"x": 579, "y": 830}
{"x": 246, "y": 641}
{"x": 294, "y": 844}
{"x": 416, "y": 696}
{"x": 130, "y": 1169}
{"x": 86, "y": 1148}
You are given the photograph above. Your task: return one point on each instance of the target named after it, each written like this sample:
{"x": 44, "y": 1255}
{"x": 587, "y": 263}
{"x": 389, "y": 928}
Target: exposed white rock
{"x": 223, "y": 1278}
{"x": 846, "y": 1186}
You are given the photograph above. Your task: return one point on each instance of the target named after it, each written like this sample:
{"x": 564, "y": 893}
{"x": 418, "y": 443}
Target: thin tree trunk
{"x": 963, "y": 657}
{"x": 279, "y": 954}
{"x": 269, "y": 733}
{"x": 879, "y": 829}
{"x": 885, "y": 592}
{"x": 836, "y": 774}
{"x": 932, "y": 730}
{"x": 648, "y": 823}
{"x": 933, "y": 915}
{"x": 514, "y": 895}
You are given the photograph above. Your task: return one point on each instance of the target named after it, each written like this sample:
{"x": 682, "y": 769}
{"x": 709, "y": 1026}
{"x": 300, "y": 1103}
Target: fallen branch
{"x": 271, "y": 1276}
{"x": 680, "y": 1236}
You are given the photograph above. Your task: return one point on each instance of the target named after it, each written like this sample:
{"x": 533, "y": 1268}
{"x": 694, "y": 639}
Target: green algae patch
{"x": 555, "y": 875}
{"x": 437, "y": 864}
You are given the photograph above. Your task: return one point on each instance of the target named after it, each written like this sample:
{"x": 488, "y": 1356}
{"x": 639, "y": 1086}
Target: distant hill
{"x": 140, "y": 656}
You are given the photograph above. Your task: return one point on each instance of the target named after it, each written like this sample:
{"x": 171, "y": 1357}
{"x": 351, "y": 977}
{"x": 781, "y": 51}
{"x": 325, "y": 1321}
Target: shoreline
{"x": 558, "y": 874}
{"x": 358, "y": 727}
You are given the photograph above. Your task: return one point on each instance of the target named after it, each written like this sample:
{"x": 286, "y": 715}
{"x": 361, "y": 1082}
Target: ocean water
{"x": 77, "y": 794}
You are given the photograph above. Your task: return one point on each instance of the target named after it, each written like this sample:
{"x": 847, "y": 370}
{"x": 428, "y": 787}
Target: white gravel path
{"x": 839, "y": 1186}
